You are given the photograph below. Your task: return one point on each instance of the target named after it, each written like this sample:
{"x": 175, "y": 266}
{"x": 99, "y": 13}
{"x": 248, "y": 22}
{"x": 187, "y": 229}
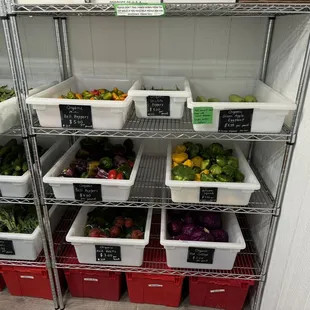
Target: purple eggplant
{"x": 101, "y": 174}
{"x": 119, "y": 161}
{"x": 219, "y": 235}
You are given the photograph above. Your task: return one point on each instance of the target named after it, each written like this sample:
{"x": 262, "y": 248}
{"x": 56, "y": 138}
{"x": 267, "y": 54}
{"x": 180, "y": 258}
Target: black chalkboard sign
{"x": 158, "y": 105}
{"x": 208, "y": 194}
{"x": 6, "y": 247}
{"x": 200, "y": 255}
{"x": 235, "y": 120}
{"x": 76, "y": 116}
{"x": 106, "y": 253}
{"x": 87, "y": 192}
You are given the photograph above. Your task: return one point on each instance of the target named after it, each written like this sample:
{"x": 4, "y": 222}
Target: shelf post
{"x": 20, "y": 91}
{"x": 59, "y": 48}
{"x": 264, "y": 67}
{"x": 65, "y": 47}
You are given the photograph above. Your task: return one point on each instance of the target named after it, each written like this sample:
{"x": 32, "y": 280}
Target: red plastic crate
{"x": 2, "y": 283}
{"x": 154, "y": 289}
{"x": 28, "y": 281}
{"x": 228, "y": 294}
{"x": 95, "y": 284}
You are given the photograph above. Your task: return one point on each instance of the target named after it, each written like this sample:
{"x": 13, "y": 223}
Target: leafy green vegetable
{"x": 6, "y": 93}
{"x": 183, "y": 173}
{"x": 18, "y": 219}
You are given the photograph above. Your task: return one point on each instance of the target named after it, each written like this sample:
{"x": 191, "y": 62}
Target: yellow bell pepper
{"x": 197, "y": 161}
{"x": 174, "y": 164}
{"x": 179, "y": 158}
{"x": 188, "y": 163}
{"x": 197, "y": 177}
{"x": 180, "y": 149}
{"x": 206, "y": 171}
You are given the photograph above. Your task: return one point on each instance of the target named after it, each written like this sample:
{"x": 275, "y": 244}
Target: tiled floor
{"x": 8, "y": 302}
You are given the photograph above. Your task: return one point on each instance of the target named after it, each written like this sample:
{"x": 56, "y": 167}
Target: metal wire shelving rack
{"x": 58, "y": 253}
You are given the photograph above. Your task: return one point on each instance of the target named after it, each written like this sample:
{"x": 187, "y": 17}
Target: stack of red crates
{"x": 2, "y": 283}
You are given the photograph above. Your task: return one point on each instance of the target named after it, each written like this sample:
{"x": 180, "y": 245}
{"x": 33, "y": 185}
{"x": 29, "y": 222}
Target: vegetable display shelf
{"x": 150, "y": 190}
{"x": 247, "y": 265}
{"x": 164, "y": 129}
{"x": 210, "y": 9}
{"x": 29, "y": 199}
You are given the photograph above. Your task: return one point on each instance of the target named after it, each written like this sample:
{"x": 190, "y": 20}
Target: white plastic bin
{"x": 268, "y": 113}
{"x": 174, "y": 109}
{"x": 20, "y": 186}
{"x": 106, "y": 114}
{"x": 81, "y": 1}
{"x": 224, "y": 252}
{"x": 131, "y": 250}
{"x": 9, "y": 111}
{"x": 227, "y": 193}
{"x": 29, "y": 246}
{"x": 113, "y": 190}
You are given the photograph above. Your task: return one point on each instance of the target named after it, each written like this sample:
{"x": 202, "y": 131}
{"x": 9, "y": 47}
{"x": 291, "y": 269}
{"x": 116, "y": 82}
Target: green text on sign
{"x": 140, "y": 9}
{"x": 203, "y": 115}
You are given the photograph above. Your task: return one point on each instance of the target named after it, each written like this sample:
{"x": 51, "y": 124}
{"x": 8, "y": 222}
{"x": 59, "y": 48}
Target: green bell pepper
{"x": 207, "y": 178}
{"x": 215, "y": 169}
{"x": 221, "y": 160}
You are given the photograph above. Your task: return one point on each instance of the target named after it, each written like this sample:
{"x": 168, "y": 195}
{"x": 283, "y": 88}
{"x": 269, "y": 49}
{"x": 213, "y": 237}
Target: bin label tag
{"x": 202, "y": 115}
{"x": 76, "y": 116}
{"x": 158, "y": 105}
{"x": 6, "y": 247}
{"x": 200, "y": 255}
{"x": 139, "y": 9}
{"x": 234, "y": 121}
{"x": 208, "y": 194}
{"x": 87, "y": 192}
{"x": 106, "y": 253}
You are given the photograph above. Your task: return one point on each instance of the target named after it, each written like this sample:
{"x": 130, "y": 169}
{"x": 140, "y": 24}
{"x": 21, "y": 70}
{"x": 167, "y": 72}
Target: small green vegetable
{"x": 193, "y": 151}
{"x": 221, "y": 160}
{"x": 233, "y": 161}
{"x": 106, "y": 163}
{"x": 126, "y": 171}
{"x": 224, "y": 178}
{"x": 196, "y": 169}
{"x": 205, "y": 154}
{"x": 216, "y": 149}
{"x": 207, "y": 177}
{"x": 229, "y": 170}
{"x": 205, "y": 164}
{"x": 239, "y": 176}
{"x": 183, "y": 173}
{"x": 201, "y": 99}
{"x": 215, "y": 169}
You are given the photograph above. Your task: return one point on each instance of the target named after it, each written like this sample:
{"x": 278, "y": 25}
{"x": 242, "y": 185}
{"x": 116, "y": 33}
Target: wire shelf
{"x": 39, "y": 262}
{"x": 18, "y": 200}
{"x": 150, "y": 190}
{"x": 164, "y": 129}
{"x": 247, "y": 265}
{"x": 209, "y": 9}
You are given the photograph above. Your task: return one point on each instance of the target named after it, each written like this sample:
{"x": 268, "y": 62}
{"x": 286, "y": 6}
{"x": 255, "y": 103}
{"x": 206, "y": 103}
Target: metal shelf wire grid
{"x": 210, "y": 9}
{"x": 164, "y": 129}
{"x": 247, "y": 265}
{"x": 150, "y": 190}
{"x": 17, "y": 200}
